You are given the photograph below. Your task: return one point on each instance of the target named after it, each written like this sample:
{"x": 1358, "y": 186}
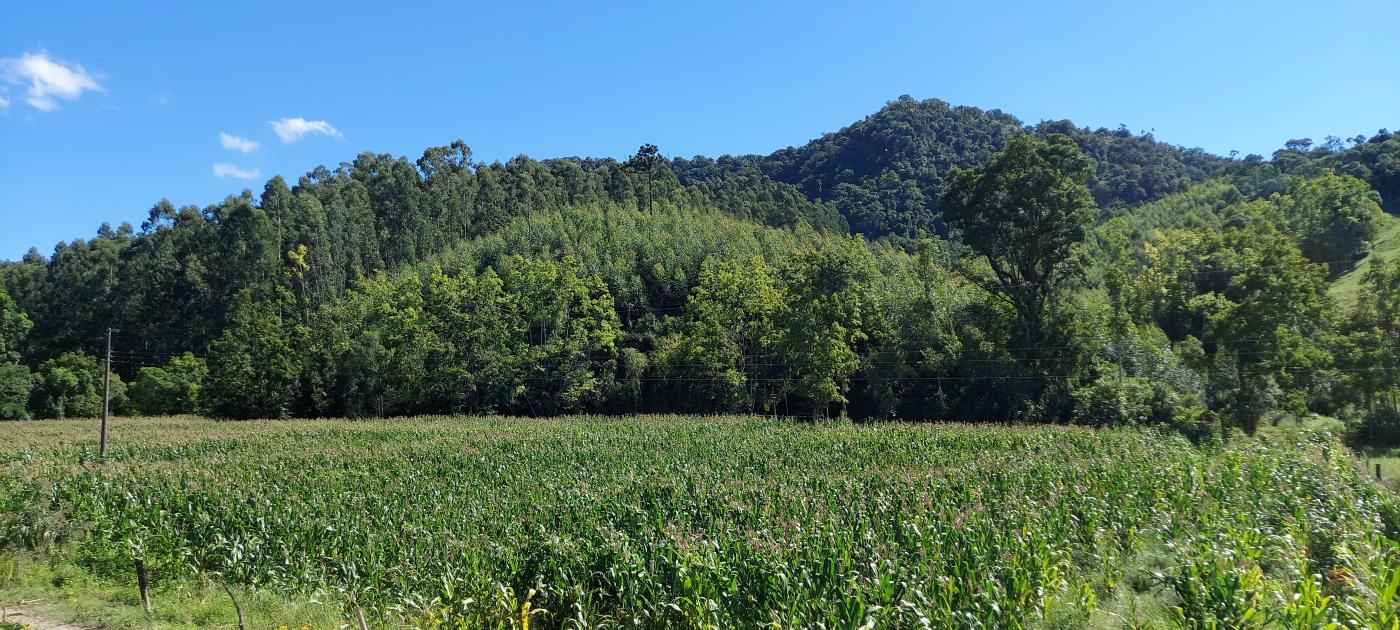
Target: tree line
{"x": 389, "y": 287}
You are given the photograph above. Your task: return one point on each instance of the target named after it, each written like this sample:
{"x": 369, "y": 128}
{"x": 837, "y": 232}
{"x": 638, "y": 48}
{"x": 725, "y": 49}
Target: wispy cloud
{"x": 223, "y": 171}
{"x": 292, "y": 129}
{"x": 4, "y": 102}
{"x": 48, "y": 79}
{"x": 236, "y": 143}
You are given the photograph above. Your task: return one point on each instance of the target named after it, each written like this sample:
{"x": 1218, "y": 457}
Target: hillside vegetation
{"x": 1386, "y": 247}
{"x": 998, "y": 271}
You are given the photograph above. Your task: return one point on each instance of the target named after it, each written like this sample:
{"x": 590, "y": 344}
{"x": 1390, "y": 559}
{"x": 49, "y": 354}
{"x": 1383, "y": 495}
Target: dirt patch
{"x": 36, "y": 622}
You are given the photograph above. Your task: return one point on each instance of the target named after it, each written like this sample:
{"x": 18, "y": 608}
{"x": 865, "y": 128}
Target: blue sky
{"x": 109, "y": 107}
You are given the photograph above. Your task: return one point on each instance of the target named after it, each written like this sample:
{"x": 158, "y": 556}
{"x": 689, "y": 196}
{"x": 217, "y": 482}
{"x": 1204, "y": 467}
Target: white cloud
{"x": 48, "y": 79}
{"x": 4, "y": 102}
{"x": 292, "y": 129}
{"x": 236, "y": 143}
{"x": 228, "y": 170}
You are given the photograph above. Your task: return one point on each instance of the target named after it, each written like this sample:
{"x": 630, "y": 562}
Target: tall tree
{"x": 1256, "y": 305}
{"x": 648, "y": 163}
{"x": 253, "y": 365}
{"x": 721, "y": 356}
{"x": 1369, "y": 352}
{"x": 570, "y": 328}
{"x": 1267, "y": 320}
{"x": 829, "y": 319}
{"x": 1025, "y": 212}
{"x": 450, "y": 189}
{"x": 478, "y": 332}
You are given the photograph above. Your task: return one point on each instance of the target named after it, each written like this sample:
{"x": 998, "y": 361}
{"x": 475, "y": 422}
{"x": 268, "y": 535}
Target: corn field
{"x": 591, "y": 522}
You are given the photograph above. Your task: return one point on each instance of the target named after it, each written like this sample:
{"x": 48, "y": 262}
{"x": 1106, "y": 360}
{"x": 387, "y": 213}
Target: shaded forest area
{"x": 927, "y": 262}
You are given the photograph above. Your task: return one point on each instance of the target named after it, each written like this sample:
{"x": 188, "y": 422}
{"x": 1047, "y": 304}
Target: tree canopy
{"x": 927, "y": 262}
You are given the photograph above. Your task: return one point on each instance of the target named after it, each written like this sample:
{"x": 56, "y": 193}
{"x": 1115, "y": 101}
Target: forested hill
{"x": 390, "y": 286}
{"x": 885, "y": 173}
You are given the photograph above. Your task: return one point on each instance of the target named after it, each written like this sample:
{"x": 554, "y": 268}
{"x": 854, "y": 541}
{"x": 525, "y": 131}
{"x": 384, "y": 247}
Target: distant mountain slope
{"x": 885, "y": 173}
{"x": 1375, "y": 160}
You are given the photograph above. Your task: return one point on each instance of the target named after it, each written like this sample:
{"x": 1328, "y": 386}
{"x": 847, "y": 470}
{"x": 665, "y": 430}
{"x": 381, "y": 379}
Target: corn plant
{"x": 661, "y": 522}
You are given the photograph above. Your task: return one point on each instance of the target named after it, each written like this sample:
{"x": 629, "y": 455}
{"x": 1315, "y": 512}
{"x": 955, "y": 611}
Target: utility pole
{"x": 106, "y": 399}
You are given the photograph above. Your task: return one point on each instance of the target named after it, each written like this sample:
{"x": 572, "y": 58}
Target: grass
{"x": 692, "y": 522}
{"x": 1386, "y": 247}
{"x": 1367, "y": 458}
{"x": 56, "y": 587}
{"x": 1388, "y": 458}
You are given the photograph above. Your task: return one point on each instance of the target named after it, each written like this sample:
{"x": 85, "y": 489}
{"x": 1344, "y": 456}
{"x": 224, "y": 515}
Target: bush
{"x": 1108, "y": 401}
{"x": 71, "y": 387}
{"x": 15, "y": 384}
{"x": 173, "y": 389}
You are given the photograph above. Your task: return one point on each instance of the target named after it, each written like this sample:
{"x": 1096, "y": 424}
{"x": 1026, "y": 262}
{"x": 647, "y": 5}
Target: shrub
{"x": 1109, "y": 401}
{"x": 71, "y": 387}
{"x": 173, "y": 389}
{"x": 15, "y": 385}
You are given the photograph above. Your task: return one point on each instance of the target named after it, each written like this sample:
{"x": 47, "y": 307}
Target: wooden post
{"x": 141, "y": 584}
{"x": 106, "y": 399}
{"x": 1378, "y": 472}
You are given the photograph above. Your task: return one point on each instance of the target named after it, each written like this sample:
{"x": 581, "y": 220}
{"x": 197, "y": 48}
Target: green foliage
{"x": 1198, "y": 207}
{"x": 738, "y": 188}
{"x": 1214, "y": 592}
{"x": 1386, "y": 247}
{"x": 1333, "y": 217}
{"x": 1268, "y": 318}
{"x": 570, "y": 333}
{"x": 15, "y": 381}
{"x": 1026, "y": 212}
{"x": 539, "y": 338}
{"x": 173, "y": 389}
{"x": 14, "y": 327}
{"x": 716, "y": 522}
{"x": 390, "y": 286}
{"x": 722, "y": 358}
{"x": 1132, "y": 169}
{"x": 16, "y": 384}
{"x": 829, "y": 317}
{"x": 1375, "y": 161}
{"x": 887, "y": 173}
{"x": 1368, "y": 353}
{"x": 1109, "y": 402}
{"x": 70, "y": 386}
{"x": 649, "y": 164}
{"x": 1250, "y": 295}
{"x": 253, "y": 365}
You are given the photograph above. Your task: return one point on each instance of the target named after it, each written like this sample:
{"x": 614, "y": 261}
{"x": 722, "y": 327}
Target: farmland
{"x": 715, "y": 522}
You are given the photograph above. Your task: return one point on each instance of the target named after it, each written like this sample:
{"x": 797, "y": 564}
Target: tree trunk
{"x": 237, "y": 610}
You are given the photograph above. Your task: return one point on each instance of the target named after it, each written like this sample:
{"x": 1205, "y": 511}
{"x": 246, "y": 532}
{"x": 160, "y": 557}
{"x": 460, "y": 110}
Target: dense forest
{"x": 927, "y": 262}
